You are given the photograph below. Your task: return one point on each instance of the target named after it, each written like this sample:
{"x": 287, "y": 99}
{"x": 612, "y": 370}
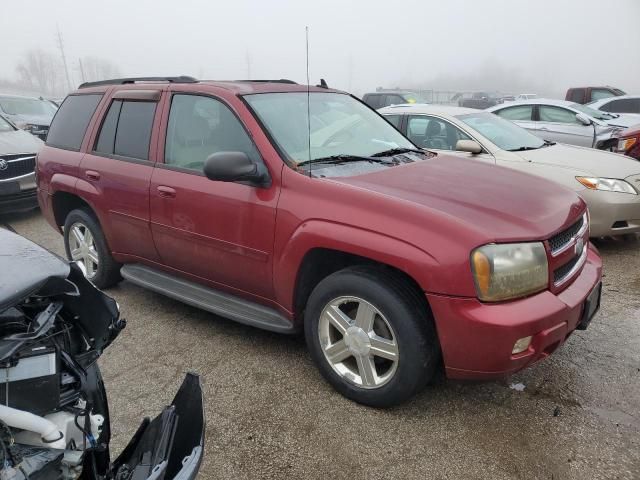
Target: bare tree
{"x": 41, "y": 71}
{"x": 96, "y": 68}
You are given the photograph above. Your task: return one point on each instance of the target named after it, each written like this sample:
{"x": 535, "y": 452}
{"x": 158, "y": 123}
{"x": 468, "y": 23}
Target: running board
{"x": 214, "y": 301}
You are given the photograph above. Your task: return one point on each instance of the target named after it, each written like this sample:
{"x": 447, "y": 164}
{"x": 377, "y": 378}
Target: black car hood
{"x": 27, "y": 270}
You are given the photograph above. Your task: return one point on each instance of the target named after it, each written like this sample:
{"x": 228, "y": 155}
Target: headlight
{"x": 510, "y": 270}
{"x": 625, "y": 144}
{"x": 607, "y": 184}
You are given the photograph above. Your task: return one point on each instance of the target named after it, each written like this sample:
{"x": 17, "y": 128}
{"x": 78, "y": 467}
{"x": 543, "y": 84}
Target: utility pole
{"x": 64, "y": 58}
{"x": 81, "y": 70}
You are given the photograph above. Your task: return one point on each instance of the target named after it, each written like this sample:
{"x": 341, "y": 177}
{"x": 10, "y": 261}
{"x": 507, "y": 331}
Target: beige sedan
{"x": 608, "y": 182}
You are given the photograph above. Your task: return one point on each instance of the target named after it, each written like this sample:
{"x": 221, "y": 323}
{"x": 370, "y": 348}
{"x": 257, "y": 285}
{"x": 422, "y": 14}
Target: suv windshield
{"x": 26, "y": 106}
{"x": 503, "y": 133}
{"x": 5, "y": 126}
{"x": 339, "y": 124}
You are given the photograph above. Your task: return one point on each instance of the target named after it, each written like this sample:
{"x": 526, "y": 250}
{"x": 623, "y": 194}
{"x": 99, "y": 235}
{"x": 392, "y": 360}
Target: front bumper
{"x": 477, "y": 338}
{"x": 18, "y": 194}
{"x": 612, "y": 213}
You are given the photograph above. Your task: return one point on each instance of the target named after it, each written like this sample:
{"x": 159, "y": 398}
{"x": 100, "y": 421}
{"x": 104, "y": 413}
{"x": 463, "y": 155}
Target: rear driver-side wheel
{"x": 371, "y": 335}
{"x": 86, "y": 245}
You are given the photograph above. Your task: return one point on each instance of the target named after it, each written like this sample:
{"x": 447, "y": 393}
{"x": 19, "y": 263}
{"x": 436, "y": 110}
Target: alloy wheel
{"x": 358, "y": 342}
{"x": 82, "y": 248}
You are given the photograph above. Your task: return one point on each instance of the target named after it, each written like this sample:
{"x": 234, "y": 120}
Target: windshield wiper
{"x": 523, "y": 149}
{"x": 397, "y": 151}
{"x": 342, "y": 159}
{"x": 548, "y": 143}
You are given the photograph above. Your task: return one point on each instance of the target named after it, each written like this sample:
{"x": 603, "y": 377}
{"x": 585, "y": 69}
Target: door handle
{"x": 166, "y": 192}
{"x": 92, "y": 175}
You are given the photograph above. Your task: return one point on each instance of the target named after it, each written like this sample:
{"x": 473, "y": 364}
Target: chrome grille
{"x": 12, "y": 166}
{"x": 562, "y": 239}
{"x": 559, "y": 274}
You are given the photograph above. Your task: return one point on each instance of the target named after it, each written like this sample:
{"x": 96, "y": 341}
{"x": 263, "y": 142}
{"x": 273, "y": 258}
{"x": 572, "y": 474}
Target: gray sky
{"x": 542, "y": 46}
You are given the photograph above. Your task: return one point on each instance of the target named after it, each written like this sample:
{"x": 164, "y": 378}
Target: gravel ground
{"x": 270, "y": 414}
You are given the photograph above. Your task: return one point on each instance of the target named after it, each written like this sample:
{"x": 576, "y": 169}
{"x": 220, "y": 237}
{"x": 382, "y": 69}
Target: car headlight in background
{"x": 625, "y": 144}
{"x": 510, "y": 270}
{"x": 607, "y": 184}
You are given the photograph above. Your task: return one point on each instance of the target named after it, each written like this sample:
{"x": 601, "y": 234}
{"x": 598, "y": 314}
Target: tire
{"x": 402, "y": 323}
{"x": 106, "y": 272}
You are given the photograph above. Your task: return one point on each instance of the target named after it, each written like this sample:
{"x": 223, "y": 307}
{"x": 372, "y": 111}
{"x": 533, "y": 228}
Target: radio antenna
{"x": 308, "y": 102}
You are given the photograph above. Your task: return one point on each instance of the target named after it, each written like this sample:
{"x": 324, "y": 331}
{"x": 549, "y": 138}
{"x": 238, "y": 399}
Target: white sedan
{"x": 608, "y": 182}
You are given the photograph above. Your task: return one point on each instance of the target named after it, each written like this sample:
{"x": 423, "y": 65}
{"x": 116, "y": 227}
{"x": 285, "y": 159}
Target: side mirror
{"x": 235, "y": 167}
{"x": 583, "y": 119}
{"x": 470, "y": 146}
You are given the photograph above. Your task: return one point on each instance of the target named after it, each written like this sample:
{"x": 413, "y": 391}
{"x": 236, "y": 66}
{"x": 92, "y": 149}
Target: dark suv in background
{"x": 384, "y": 98}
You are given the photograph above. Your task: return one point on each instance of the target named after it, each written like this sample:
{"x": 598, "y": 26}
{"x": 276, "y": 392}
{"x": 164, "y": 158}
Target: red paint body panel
{"x": 423, "y": 218}
{"x": 477, "y": 338}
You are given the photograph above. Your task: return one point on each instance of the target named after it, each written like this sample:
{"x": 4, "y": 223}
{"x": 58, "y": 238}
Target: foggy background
{"x": 540, "y": 46}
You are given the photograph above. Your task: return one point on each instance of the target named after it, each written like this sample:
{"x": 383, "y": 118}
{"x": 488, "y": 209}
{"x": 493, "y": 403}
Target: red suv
{"x": 292, "y": 209}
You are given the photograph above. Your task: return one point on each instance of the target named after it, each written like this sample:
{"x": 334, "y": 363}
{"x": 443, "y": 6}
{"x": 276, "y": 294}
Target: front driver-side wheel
{"x": 86, "y": 245}
{"x": 371, "y": 335}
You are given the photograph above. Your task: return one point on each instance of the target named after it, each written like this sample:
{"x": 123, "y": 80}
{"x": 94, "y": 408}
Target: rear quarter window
{"x": 71, "y": 121}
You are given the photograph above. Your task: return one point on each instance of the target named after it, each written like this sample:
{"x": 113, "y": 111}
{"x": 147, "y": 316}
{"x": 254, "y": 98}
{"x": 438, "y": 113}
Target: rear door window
{"x": 624, "y": 105}
{"x": 70, "y": 123}
{"x": 520, "y": 112}
{"x": 126, "y": 129}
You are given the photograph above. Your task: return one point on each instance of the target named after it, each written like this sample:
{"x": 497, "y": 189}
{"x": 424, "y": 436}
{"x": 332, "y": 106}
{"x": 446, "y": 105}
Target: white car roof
{"x": 533, "y": 101}
{"x": 427, "y": 108}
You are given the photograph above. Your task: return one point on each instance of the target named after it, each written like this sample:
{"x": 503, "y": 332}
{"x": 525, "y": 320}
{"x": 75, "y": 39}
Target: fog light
{"x": 521, "y": 345}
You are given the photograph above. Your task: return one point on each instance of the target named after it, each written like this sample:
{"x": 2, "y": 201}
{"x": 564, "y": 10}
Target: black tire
{"x": 407, "y": 313}
{"x": 108, "y": 272}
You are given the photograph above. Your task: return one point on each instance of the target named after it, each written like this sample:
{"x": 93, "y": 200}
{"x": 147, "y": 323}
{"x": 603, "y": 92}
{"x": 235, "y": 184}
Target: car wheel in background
{"x": 86, "y": 245}
{"x": 371, "y": 335}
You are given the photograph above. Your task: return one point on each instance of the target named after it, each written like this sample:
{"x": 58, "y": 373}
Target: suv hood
{"x": 500, "y": 203}
{"x": 19, "y": 141}
{"x": 584, "y": 160}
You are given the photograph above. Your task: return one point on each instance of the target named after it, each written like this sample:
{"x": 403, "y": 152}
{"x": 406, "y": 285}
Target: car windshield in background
{"x": 503, "y": 133}
{"x": 26, "y": 106}
{"x": 593, "y": 113}
{"x": 5, "y": 126}
{"x": 339, "y": 124}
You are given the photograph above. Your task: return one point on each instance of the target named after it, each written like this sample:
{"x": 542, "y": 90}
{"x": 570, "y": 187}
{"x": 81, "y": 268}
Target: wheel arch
{"x": 313, "y": 253}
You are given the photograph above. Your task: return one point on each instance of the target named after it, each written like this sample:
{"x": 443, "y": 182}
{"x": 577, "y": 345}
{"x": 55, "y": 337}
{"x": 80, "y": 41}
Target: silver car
{"x": 608, "y": 182}
{"x": 628, "y": 104}
{"x": 565, "y": 122}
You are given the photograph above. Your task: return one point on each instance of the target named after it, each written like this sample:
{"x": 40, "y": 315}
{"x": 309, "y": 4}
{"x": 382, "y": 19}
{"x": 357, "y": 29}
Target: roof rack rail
{"x": 123, "y": 81}
{"x": 282, "y": 80}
